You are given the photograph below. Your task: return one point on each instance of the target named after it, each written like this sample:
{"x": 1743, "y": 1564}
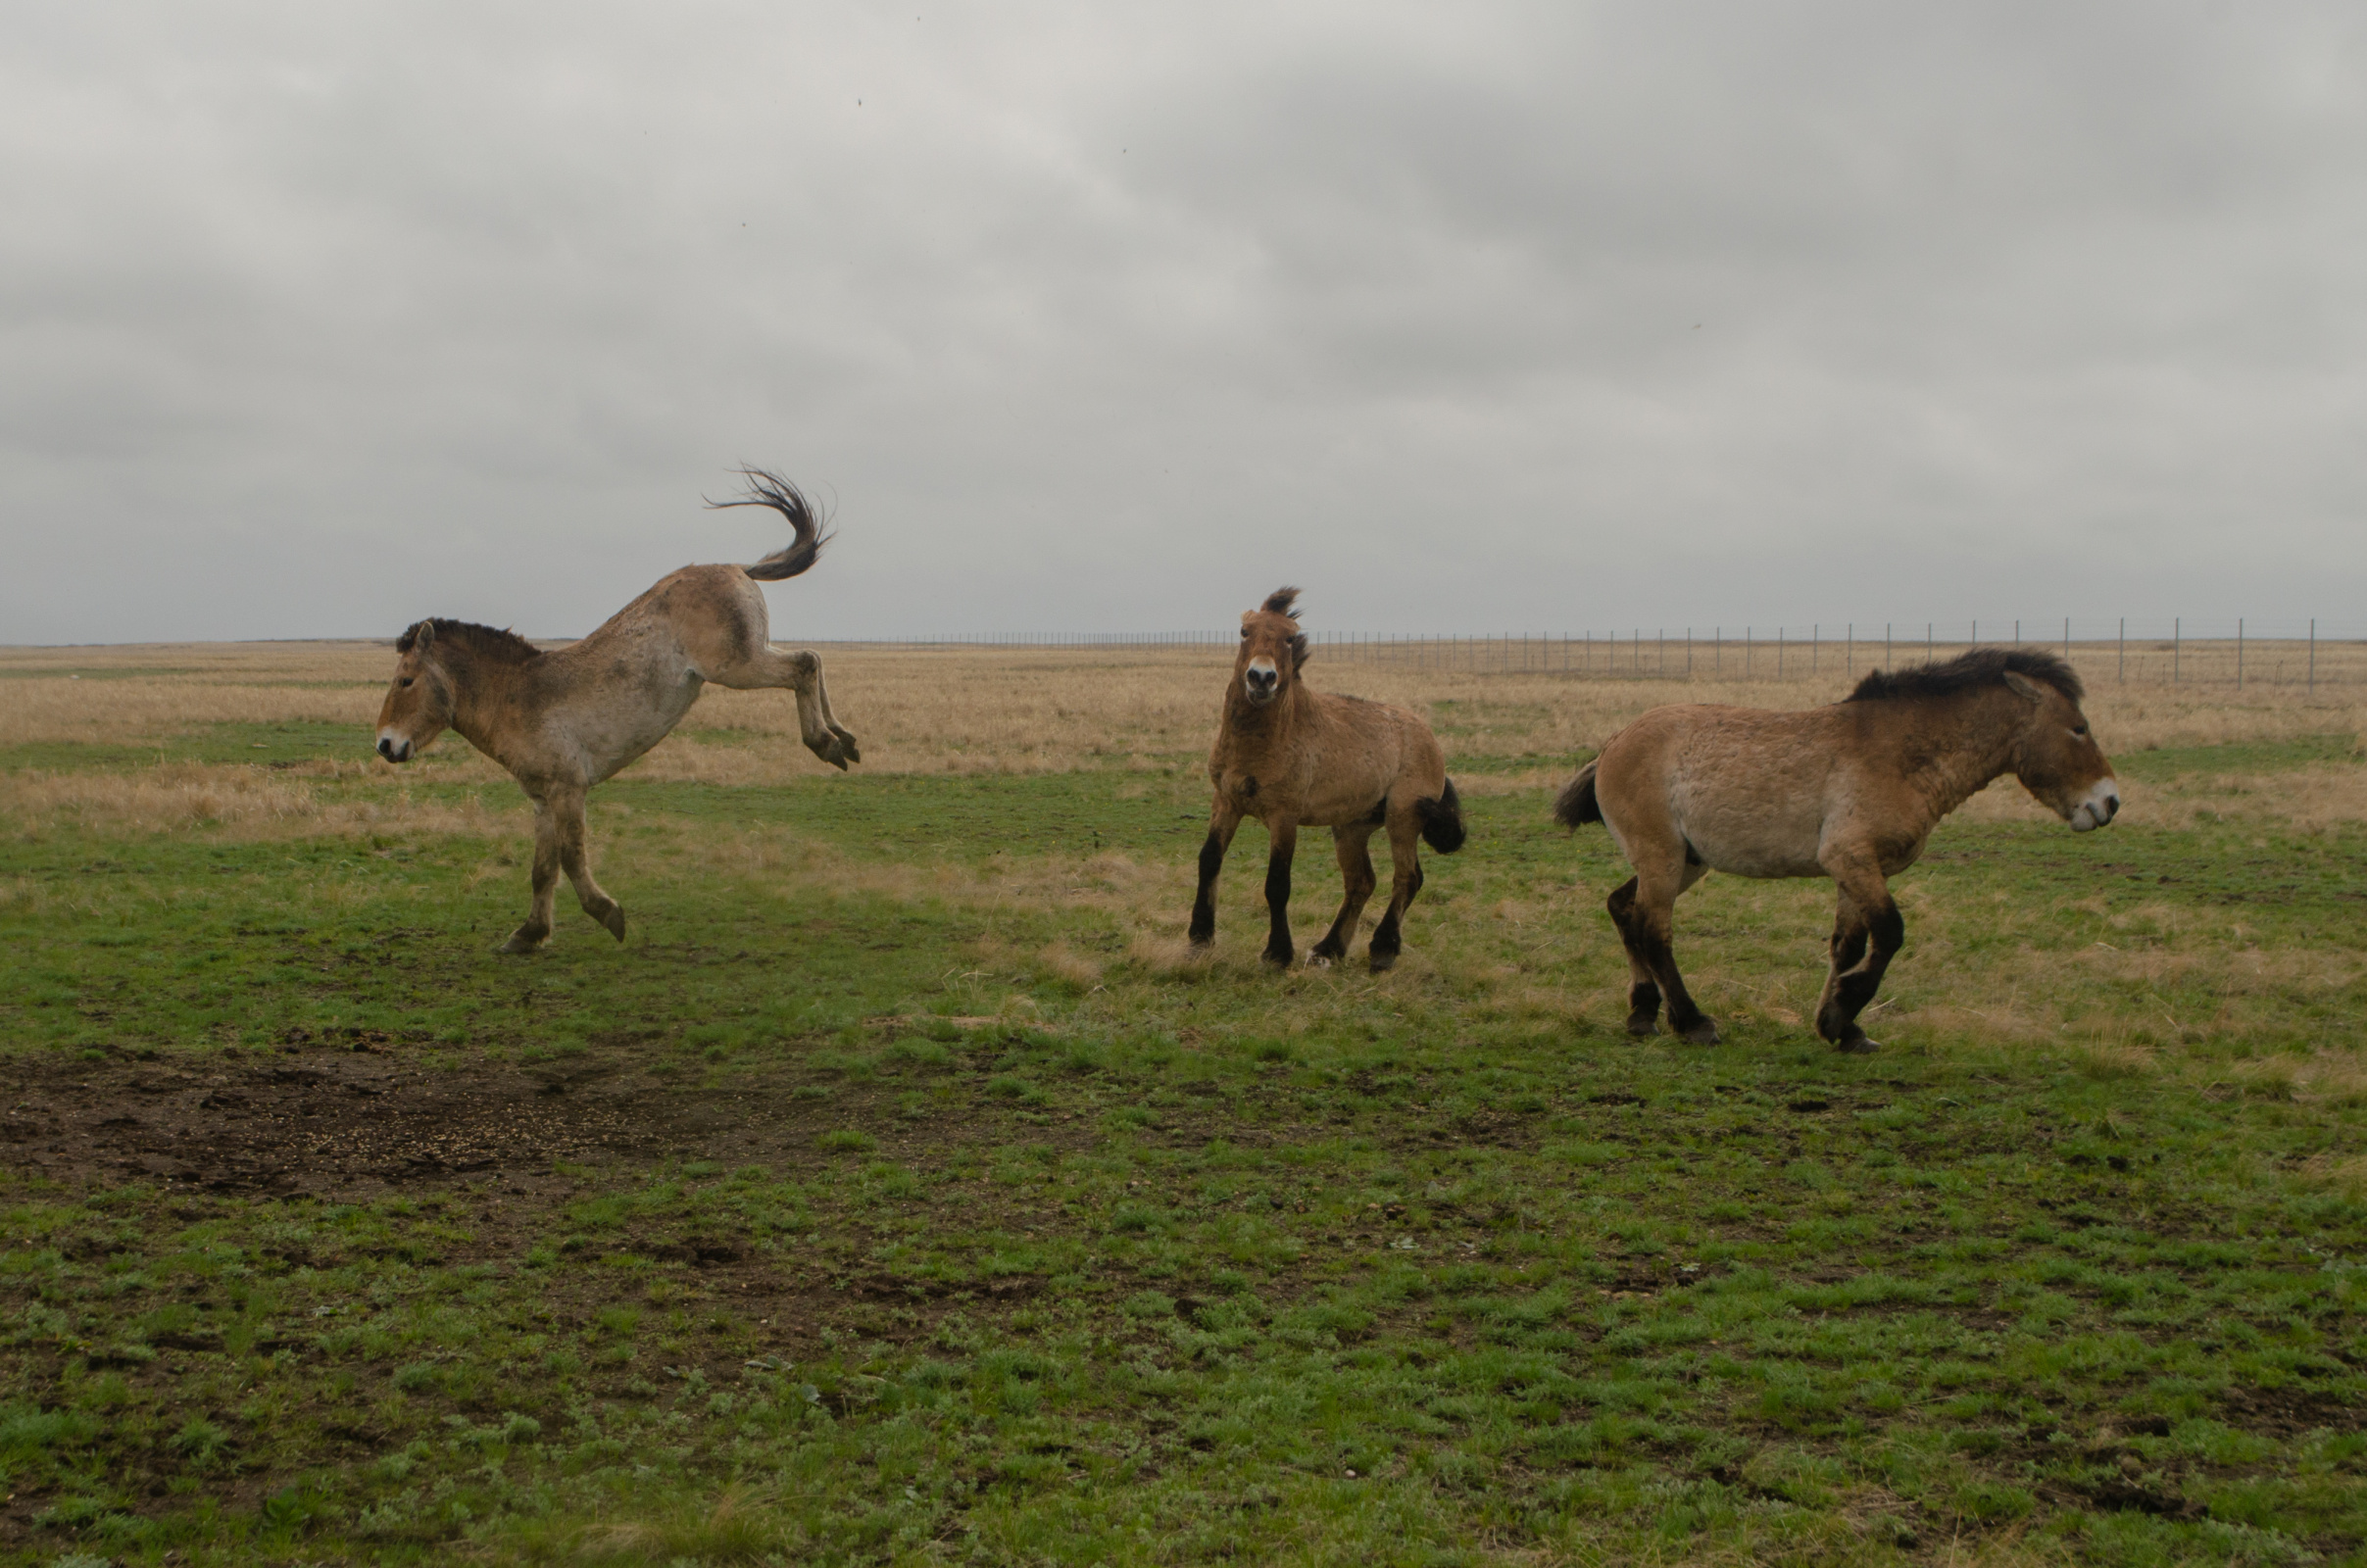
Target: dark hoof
{"x": 847, "y": 744}
{"x": 1383, "y": 962}
{"x": 1279, "y": 961}
{"x": 833, "y": 751}
{"x": 525, "y": 939}
{"x": 1855, "y": 1044}
{"x": 1703, "y": 1033}
{"x": 1643, "y": 1024}
{"x": 614, "y": 919}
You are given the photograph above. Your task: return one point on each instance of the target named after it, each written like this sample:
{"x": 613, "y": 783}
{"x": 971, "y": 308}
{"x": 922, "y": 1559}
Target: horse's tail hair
{"x": 768, "y": 489}
{"x": 1442, "y": 820}
{"x": 1576, "y": 805}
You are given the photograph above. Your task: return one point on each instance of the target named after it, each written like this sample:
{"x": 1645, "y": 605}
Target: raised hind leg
{"x": 799, "y": 673}
{"x": 1353, "y": 844}
{"x": 537, "y": 929}
{"x": 1644, "y": 909}
{"x": 1224, "y": 819}
{"x": 1867, "y": 931}
{"x": 1404, "y": 881}
{"x": 575, "y": 858}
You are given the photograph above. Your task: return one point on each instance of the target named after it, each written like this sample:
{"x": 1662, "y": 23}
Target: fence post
{"x": 1779, "y": 652}
{"x": 2177, "y": 636}
{"x": 1849, "y": 652}
{"x": 1746, "y": 650}
{"x": 1929, "y": 645}
{"x": 2238, "y": 652}
{"x": 1886, "y": 645}
{"x": 2313, "y": 655}
{"x": 2066, "y": 639}
{"x": 2122, "y": 674}
{"x": 1815, "y": 628}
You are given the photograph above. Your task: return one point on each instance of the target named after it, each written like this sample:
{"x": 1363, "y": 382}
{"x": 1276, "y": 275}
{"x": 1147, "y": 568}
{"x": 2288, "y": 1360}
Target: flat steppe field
{"x": 903, "y": 1190}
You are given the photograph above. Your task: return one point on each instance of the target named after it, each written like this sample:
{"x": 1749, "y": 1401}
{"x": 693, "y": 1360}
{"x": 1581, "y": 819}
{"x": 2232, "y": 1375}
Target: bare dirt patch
{"x": 352, "y": 1122}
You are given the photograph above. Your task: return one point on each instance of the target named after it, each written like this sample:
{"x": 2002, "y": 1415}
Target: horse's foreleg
{"x": 1867, "y": 931}
{"x": 1284, "y": 836}
{"x": 574, "y": 857}
{"x": 1646, "y": 913}
{"x": 1352, "y": 844}
{"x": 537, "y": 929}
{"x": 1221, "y": 823}
{"x": 1404, "y": 881}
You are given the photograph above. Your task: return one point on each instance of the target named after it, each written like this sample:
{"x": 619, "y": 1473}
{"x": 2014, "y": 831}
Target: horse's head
{"x": 2057, "y": 761}
{"x": 419, "y": 702}
{"x": 1273, "y": 650}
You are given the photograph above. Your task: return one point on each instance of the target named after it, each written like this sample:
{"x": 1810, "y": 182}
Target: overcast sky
{"x": 315, "y": 319}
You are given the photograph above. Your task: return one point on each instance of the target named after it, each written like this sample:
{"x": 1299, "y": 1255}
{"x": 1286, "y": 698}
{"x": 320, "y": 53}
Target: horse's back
{"x": 1370, "y": 752}
{"x": 1739, "y": 789}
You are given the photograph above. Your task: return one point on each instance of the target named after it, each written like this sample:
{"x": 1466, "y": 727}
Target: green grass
{"x": 932, "y": 1252}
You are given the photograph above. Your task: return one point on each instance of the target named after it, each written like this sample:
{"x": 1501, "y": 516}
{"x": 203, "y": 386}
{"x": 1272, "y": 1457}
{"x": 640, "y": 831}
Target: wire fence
{"x": 2233, "y": 653}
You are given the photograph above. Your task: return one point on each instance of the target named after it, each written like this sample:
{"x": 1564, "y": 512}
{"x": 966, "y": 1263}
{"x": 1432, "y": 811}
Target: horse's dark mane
{"x": 496, "y": 643}
{"x": 1969, "y": 672}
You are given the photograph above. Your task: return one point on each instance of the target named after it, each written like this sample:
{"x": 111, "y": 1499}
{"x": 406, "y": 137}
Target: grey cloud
{"x": 1471, "y": 318}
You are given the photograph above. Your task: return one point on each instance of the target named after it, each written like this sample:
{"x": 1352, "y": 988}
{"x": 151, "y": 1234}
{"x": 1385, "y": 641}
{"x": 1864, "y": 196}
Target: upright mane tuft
{"x": 1282, "y": 601}
{"x": 1969, "y": 672}
{"x": 499, "y": 644}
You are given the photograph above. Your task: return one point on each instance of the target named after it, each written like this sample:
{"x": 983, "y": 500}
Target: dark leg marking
{"x": 1203, "y": 907}
{"x": 1278, "y": 949}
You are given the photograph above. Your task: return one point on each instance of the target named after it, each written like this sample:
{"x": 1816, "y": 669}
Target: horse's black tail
{"x": 768, "y": 489}
{"x": 1442, "y": 820}
{"x": 1576, "y": 803}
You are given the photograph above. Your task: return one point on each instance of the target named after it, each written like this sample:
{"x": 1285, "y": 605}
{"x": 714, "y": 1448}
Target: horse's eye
{"x": 404, "y": 681}
{"x": 2078, "y": 729}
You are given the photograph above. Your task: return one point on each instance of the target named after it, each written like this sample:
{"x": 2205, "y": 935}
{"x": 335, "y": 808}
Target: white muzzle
{"x": 394, "y": 747}
{"x": 1261, "y": 681}
{"x": 2102, "y": 806}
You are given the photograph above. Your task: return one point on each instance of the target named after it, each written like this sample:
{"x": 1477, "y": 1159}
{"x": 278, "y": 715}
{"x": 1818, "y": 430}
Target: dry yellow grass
{"x": 995, "y": 709}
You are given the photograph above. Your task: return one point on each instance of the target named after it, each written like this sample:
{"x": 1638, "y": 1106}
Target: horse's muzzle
{"x": 393, "y": 750}
{"x": 1260, "y": 682}
{"x": 2100, "y": 805}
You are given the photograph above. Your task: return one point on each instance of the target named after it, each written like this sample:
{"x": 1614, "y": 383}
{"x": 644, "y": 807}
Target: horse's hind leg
{"x": 799, "y": 672}
{"x": 1354, "y": 846}
{"x": 1867, "y": 931}
{"x": 1645, "y": 913}
{"x": 575, "y": 858}
{"x": 1404, "y": 881}
{"x": 537, "y": 929}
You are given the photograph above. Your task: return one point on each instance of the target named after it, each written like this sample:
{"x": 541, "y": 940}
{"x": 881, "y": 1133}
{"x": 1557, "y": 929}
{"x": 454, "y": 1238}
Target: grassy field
{"x": 902, "y": 1190}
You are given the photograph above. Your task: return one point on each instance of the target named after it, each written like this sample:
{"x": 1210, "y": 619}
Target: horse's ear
{"x": 2030, "y": 691}
{"x": 426, "y": 634}
{"x": 1299, "y": 651}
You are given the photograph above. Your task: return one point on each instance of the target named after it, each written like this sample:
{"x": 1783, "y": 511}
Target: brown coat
{"x": 1292, "y": 757}
{"x": 1850, "y": 791}
{"x": 563, "y": 721}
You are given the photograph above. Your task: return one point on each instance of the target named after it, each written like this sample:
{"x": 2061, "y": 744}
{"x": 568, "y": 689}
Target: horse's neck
{"x": 482, "y": 693}
{"x": 1976, "y": 747}
{"x": 1271, "y": 728}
